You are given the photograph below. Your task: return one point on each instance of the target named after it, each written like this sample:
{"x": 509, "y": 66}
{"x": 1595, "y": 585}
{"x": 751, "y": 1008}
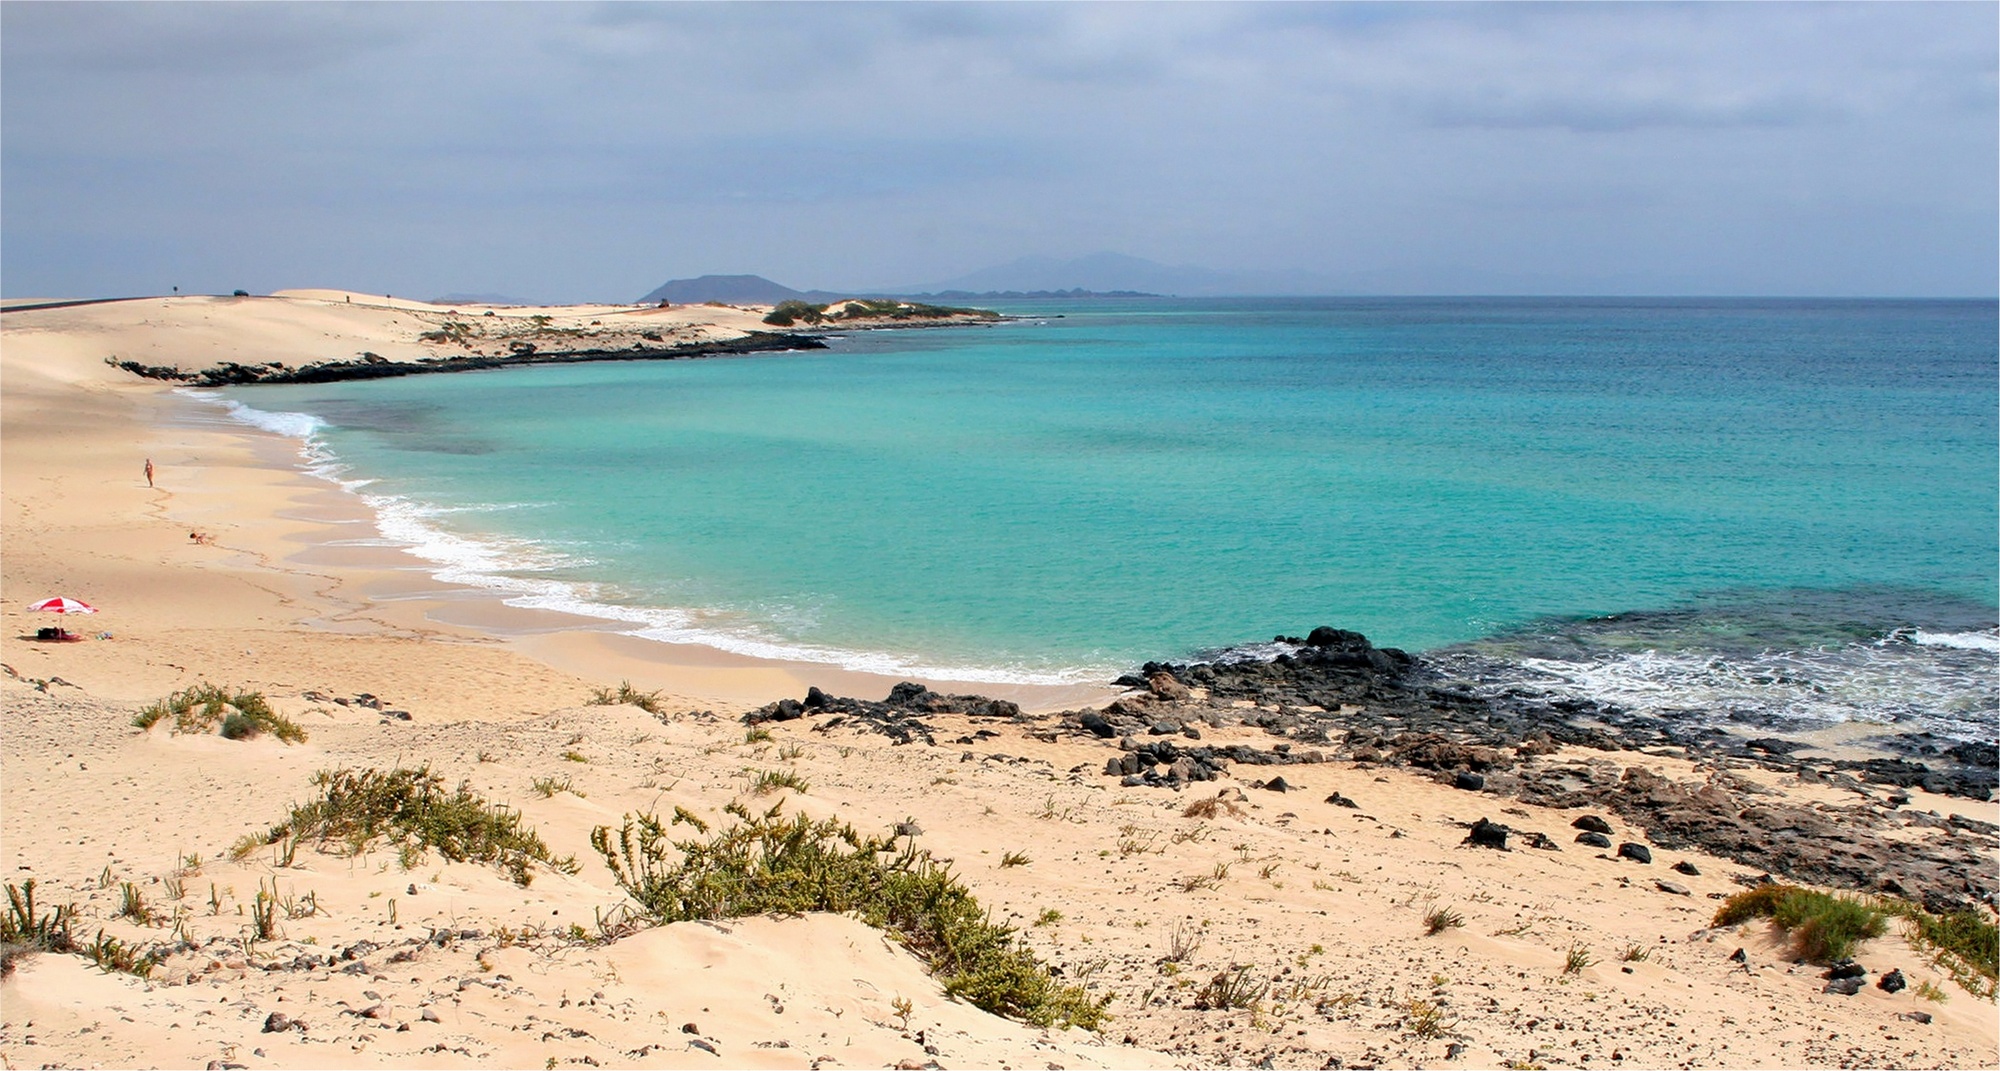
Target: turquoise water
{"x": 1063, "y": 496}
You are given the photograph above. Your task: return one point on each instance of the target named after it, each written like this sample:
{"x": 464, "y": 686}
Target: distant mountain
{"x": 481, "y": 299}
{"x": 1111, "y": 273}
{"x": 734, "y": 289}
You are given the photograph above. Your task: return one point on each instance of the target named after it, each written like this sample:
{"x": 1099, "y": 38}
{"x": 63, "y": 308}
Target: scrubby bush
{"x": 771, "y": 864}
{"x": 412, "y": 810}
{"x": 1824, "y": 928}
{"x": 207, "y": 708}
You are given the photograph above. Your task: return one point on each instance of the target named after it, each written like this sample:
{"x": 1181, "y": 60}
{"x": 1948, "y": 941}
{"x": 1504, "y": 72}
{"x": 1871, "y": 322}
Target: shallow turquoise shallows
{"x": 1097, "y": 484}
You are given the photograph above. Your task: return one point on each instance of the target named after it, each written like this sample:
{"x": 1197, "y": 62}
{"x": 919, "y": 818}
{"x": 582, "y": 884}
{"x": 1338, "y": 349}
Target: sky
{"x": 576, "y": 151}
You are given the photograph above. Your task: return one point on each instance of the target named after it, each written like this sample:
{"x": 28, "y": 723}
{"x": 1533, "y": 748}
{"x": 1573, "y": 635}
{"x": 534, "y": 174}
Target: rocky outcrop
{"x": 374, "y": 366}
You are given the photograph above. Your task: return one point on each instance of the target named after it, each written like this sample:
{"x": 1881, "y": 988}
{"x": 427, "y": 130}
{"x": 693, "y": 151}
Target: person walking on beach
{"x": 149, "y": 472}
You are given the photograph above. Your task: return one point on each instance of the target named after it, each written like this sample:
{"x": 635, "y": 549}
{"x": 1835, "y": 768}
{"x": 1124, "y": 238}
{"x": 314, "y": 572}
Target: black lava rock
{"x": 1846, "y": 987}
{"x": 1638, "y": 853}
{"x": 1339, "y": 800}
{"x": 1592, "y": 824}
{"x": 1685, "y": 867}
{"x": 1095, "y": 723}
{"x": 1595, "y": 840}
{"x": 1471, "y": 782}
{"x": 1893, "y": 982}
{"x": 1487, "y": 834}
{"x": 1846, "y": 968}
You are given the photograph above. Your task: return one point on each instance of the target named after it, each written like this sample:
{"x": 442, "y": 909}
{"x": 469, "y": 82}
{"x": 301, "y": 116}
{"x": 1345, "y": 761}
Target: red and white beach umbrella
{"x": 64, "y": 605}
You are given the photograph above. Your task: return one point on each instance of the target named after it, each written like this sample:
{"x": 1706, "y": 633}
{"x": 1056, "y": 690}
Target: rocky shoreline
{"x": 372, "y": 366}
{"x": 1341, "y": 700}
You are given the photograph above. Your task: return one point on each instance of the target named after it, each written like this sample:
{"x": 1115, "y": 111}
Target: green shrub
{"x": 1964, "y": 944}
{"x": 205, "y": 708}
{"x": 413, "y": 811}
{"x": 1823, "y": 928}
{"x": 770, "y": 864}
{"x": 787, "y": 313}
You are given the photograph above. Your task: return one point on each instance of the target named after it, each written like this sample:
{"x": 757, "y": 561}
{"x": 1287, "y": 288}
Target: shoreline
{"x": 1558, "y": 956}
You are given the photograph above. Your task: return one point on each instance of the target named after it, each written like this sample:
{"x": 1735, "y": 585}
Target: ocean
{"x": 1780, "y": 509}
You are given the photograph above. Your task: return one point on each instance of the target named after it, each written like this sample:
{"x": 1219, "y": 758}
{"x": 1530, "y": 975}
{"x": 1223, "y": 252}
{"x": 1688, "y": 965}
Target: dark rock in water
{"x": 1487, "y": 834}
{"x": 1592, "y": 823}
{"x": 1595, "y": 840}
{"x": 1846, "y": 987}
{"x": 1846, "y": 968}
{"x": 1094, "y": 722}
{"x": 1638, "y": 853}
{"x": 1339, "y": 800}
{"x": 1685, "y": 867}
{"x": 1325, "y": 636}
{"x": 1893, "y": 982}
{"x": 1471, "y": 782}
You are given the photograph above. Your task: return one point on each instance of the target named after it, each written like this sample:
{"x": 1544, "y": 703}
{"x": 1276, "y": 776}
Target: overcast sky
{"x": 580, "y": 151}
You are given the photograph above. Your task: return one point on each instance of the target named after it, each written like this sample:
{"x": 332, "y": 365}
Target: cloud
{"x": 196, "y": 38}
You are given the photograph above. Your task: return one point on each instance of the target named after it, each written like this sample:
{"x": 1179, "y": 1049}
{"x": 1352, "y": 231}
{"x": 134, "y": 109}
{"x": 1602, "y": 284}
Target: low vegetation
{"x": 770, "y": 864}
{"x": 1441, "y": 919}
{"x": 1824, "y": 928}
{"x": 206, "y": 708}
{"x": 412, "y": 810}
{"x": 791, "y": 313}
{"x": 626, "y": 695}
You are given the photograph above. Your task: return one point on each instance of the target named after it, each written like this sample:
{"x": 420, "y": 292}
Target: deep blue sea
{"x": 1783, "y": 506}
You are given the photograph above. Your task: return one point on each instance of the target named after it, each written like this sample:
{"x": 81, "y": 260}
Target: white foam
{"x": 492, "y": 563}
{"x": 1873, "y": 683}
{"x": 1967, "y": 641}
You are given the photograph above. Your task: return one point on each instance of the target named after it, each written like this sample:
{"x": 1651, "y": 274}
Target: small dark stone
{"x": 1592, "y": 823}
{"x": 1846, "y": 987}
{"x": 1739, "y": 956}
{"x": 1277, "y": 784}
{"x": 1846, "y": 968}
{"x": 1595, "y": 840}
{"x": 1672, "y": 887}
{"x": 1685, "y": 867}
{"x": 815, "y": 698}
{"x": 1094, "y": 722}
{"x": 1893, "y": 982}
{"x": 1114, "y": 767}
{"x": 1487, "y": 834}
{"x": 1541, "y": 840}
{"x": 1339, "y": 800}
{"x": 1190, "y": 732}
{"x": 429, "y": 1016}
{"x": 277, "y": 1021}
{"x": 690, "y": 1028}
{"x": 1471, "y": 782}
{"x": 1916, "y": 1017}
{"x": 1638, "y": 853}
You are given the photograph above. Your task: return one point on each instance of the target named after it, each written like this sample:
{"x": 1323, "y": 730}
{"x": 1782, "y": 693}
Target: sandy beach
{"x": 1266, "y": 928}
